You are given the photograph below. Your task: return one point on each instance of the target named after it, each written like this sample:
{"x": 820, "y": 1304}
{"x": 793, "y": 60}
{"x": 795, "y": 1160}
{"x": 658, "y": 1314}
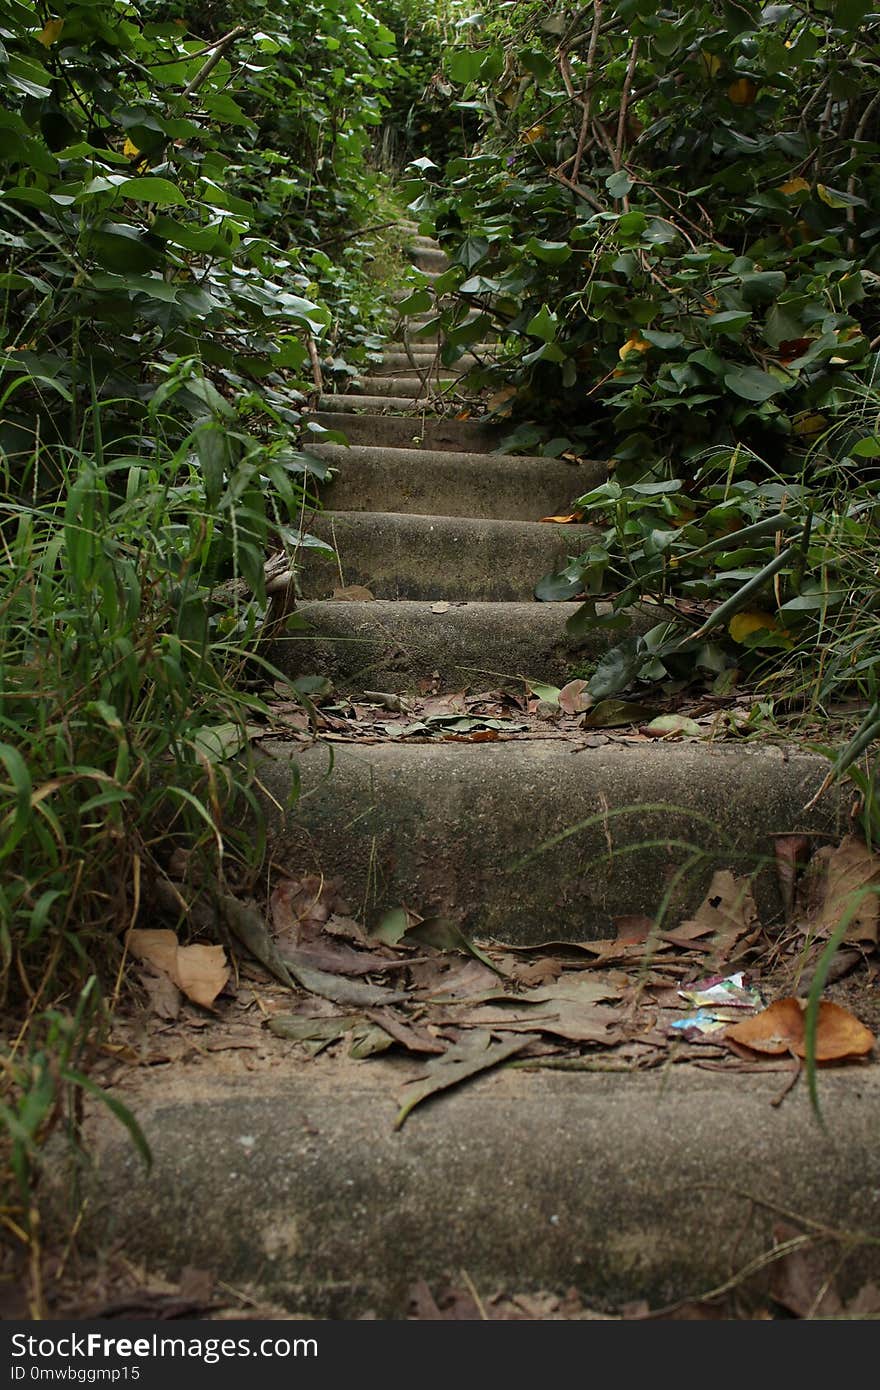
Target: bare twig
{"x": 624, "y": 103}
{"x": 208, "y": 67}
{"x": 317, "y": 374}
{"x": 588, "y": 90}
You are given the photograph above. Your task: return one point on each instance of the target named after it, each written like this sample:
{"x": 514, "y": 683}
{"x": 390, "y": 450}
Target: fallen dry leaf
{"x": 441, "y": 607}
{"x": 200, "y": 972}
{"x": 726, "y": 915}
{"x": 354, "y": 593}
{"x": 162, "y": 992}
{"x": 573, "y": 698}
{"x": 567, "y": 520}
{"x": 476, "y": 1052}
{"x": 800, "y": 1278}
{"x": 780, "y": 1029}
{"x": 791, "y": 852}
{"x": 633, "y": 927}
{"x": 851, "y": 869}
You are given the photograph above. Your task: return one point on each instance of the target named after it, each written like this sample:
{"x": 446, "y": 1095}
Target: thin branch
{"x": 624, "y": 103}
{"x": 588, "y": 90}
{"x": 208, "y": 67}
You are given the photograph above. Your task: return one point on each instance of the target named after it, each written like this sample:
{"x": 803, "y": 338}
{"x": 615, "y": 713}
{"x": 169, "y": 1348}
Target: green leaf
{"x": 752, "y": 384}
{"x": 731, "y": 322}
{"x": 617, "y": 668}
{"x": 153, "y": 190}
{"x": 464, "y": 64}
{"x": 619, "y": 184}
{"x": 117, "y": 1109}
{"x": 553, "y": 252}
{"x": 615, "y": 714}
{"x": 548, "y": 693}
{"x": 543, "y": 325}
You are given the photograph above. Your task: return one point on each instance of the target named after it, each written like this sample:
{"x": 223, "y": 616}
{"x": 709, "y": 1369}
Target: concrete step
{"x": 377, "y": 425}
{"x": 436, "y": 557}
{"x": 403, "y": 387}
{"x": 286, "y": 1178}
{"x": 399, "y": 362}
{"x": 430, "y": 258}
{"x": 392, "y": 645}
{"x": 354, "y": 403}
{"x": 444, "y": 827}
{"x": 512, "y": 488}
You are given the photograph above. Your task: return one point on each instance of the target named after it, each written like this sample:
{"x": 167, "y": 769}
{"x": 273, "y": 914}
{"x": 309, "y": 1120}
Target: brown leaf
{"x": 866, "y": 1303}
{"x": 200, "y": 971}
{"x": 851, "y": 869}
{"x": 573, "y": 698}
{"x": 800, "y": 1279}
{"x": 162, "y": 992}
{"x": 475, "y": 1053}
{"x": 726, "y": 914}
{"x": 568, "y": 519}
{"x": 539, "y": 972}
{"x": 633, "y": 927}
{"x": 780, "y": 1028}
{"x": 791, "y": 853}
{"x": 353, "y": 593}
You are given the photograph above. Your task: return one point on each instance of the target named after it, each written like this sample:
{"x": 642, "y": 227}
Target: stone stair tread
{"x": 401, "y": 386}
{"x": 381, "y": 424}
{"x": 402, "y": 555}
{"x": 519, "y": 487}
{"x": 630, "y": 1188}
{"x": 622, "y": 825}
{"x": 392, "y": 644}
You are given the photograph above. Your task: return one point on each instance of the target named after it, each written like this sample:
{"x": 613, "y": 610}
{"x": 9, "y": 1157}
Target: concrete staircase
{"x": 288, "y": 1178}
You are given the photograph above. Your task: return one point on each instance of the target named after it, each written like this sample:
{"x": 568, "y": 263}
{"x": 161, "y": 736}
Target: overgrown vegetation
{"x": 181, "y": 188}
{"x": 670, "y": 218}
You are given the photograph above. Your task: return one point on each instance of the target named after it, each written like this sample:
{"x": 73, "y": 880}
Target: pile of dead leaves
{"x": 308, "y": 709}
{"x": 697, "y": 992}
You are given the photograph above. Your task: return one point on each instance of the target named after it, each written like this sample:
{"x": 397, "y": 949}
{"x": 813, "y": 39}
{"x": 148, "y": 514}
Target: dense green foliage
{"x": 181, "y": 191}
{"x": 671, "y": 219}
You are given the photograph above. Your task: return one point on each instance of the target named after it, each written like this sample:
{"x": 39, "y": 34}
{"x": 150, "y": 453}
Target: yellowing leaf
{"x": 750, "y": 620}
{"x": 809, "y": 423}
{"x": 711, "y": 63}
{"x": 130, "y": 149}
{"x": 535, "y": 132}
{"x": 50, "y": 32}
{"x": 633, "y": 344}
{"x": 793, "y": 186}
{"x": 743, "y": 91}
{"x": 564, "y": 520}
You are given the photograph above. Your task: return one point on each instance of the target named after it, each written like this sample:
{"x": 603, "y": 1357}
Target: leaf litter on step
{"x": 716, "y": 990}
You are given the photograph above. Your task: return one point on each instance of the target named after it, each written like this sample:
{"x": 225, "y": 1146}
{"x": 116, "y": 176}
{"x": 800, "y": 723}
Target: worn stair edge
{"x": 413, "y": 429}
{"x": 438, "y": 383}
{"x": 392, "y": 645}
{"x": 513, "y": 488}
{"x": 655, "y": 1187}
{"x": 397, "y": 555}
{"x": 354, "y": 404}
{"x": 430, "y": 258}
{"x": 402, "y": 365}
{"x": 444, "y": 827}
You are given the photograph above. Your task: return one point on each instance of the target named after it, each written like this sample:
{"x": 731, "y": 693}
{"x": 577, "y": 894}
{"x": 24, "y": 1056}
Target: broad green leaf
{"x": 544, "y": 325}
{"x": 617, "y": 669}
{"x": 752, "y": 384}
{"x": 553, "y": 252}
{"x": 153, "y": 190}
{"x": 463, "y": 65}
